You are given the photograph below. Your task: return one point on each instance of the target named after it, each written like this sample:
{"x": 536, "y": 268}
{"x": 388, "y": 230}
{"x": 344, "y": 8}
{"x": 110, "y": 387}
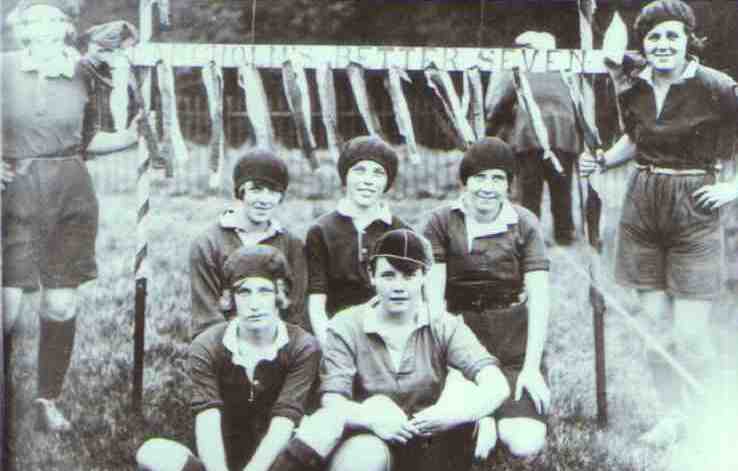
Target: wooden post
{"x": 586, "y": 15}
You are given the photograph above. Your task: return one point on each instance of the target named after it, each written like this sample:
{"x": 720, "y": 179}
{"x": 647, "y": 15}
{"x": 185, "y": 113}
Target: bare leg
{"x": 159, "y": 454}
{"x": 524, "y": 437}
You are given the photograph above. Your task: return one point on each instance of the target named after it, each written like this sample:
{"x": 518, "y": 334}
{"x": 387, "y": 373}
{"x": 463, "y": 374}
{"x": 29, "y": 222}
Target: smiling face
{"x": 365, "y": 183}
{"x": 398, "y": 292}
{"x": 665, "y": 47}
{"x": 256, "y": 303}
{"x": 43, "y": 27}
{"x": 259, "y": 202}
{"x": 485, "y": 191}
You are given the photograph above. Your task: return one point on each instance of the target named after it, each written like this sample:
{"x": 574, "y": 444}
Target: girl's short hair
{"x": 668, "y": 10}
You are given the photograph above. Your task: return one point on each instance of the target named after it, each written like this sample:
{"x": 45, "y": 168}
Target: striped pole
{"x": 143, "y": 192}
{"x": 3, "y": 403}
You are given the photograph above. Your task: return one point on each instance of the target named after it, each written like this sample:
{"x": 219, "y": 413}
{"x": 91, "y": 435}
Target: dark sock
{"x": 56, "y": 342}
{"x": 297, "y": 456}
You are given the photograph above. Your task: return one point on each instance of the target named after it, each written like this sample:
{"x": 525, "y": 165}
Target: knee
{"x": 523, "y": 437}
{"x": 365, "y": 452}
{"x": 322, "y": 431}
{"x": 59, "y": 305}
{"x": 159, "y": 454}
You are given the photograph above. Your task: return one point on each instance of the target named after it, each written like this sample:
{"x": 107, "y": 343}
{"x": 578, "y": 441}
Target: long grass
{"x": 98, "y": 387}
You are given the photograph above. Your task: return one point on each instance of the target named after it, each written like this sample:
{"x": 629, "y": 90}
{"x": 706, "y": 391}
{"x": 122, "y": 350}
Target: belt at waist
{"x": 676, "y": 171}
{"x": 21, "y": 166}
{"x": 480, "y": 300}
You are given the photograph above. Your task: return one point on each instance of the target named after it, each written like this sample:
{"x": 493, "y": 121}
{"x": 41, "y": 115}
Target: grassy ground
{"x": 97, "y": 390}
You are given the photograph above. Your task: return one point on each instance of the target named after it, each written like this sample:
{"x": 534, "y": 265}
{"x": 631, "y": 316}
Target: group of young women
{"x": 376, "y": 295}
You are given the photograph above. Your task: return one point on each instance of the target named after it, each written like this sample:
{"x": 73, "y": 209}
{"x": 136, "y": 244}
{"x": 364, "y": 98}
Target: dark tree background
{"x": 489, "y": 23}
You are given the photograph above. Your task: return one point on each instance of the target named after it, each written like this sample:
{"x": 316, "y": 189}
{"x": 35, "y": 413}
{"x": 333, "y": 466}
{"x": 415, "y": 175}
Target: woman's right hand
{"x": 588, "y": 163}
{"x": 7, "y": 174}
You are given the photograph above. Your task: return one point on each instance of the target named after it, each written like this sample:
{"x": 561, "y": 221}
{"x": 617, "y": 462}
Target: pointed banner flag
{"x": 212, "y": 77}
{"x": 173, "y": 145}
{"x": 528, "y": 103}
{"x": 395, "y": 77}
{"x": 298, "y": 100}
{"x": 257, "y": 105}
{"x": 440, "y": 82}
{"x": 329, "y": 109}
{"x": 361, "y": 98}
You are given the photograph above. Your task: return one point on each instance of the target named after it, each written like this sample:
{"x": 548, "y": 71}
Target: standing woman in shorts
{"x": 338, "y": 243}
{"x": 491, "y": 268}
{"x": 50, "y": 211}
{"x": 680, "y": 120}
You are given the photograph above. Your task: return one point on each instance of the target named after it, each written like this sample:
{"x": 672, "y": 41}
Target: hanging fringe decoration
{"x": 476, "y": 101}
{"x": 298, "y": 99}
{"x": 402, "y": 112}
{"x": 212, "y": 77}
{"x": 165, "y": 14}
{"x": 328, "y": 109}
{"x": 173, "y": 145}
{"x": 257, "y": 106}
{"x": 440, "y": 82}
{"x": 361, "y": 98}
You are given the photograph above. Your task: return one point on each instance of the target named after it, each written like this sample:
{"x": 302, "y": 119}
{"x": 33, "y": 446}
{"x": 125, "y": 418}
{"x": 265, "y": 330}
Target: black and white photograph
{"x": 378, "y": 235}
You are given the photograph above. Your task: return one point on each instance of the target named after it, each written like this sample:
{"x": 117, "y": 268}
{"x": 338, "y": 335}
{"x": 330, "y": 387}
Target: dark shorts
{"x": 667, "y": 243}
{"x": 504, "y": 332}
{"x": 50, "y": 217}
{"x": 450, "y": 450}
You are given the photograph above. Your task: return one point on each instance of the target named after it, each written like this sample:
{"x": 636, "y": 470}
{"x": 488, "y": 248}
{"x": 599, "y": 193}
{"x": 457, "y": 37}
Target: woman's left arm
{"x": 531, "y": 378}
{"x": 718, "y": 194}
{"x": 107, "y": 142}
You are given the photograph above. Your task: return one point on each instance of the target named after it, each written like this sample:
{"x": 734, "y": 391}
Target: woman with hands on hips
{"x": 680, "y": 120}
{"x": 50, "y": 210}
{"x": 385, "y": 364}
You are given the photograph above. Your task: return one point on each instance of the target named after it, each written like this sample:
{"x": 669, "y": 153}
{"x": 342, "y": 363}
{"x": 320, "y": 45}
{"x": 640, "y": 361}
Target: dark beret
{"x": 256, "y": 260}
{"x": 486, "y": 154}
{"x": 368, "y": 148}
{"x": 663, "y": 10}
{"x": 262, "y": 165}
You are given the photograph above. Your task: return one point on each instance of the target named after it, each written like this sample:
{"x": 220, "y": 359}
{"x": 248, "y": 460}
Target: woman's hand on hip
{"x": 7, "y": 173}
{"x": 716, "y": 195}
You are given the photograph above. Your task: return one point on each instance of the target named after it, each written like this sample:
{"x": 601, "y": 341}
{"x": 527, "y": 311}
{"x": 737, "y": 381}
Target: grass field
{"x": 97, "y": 390}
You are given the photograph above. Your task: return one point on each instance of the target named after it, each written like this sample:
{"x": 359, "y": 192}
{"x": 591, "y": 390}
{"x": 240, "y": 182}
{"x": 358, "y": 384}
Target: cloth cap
{"x": 256, "y": 260}
{"x": 112, "y": 35}
{"x": 536, "y": 40}
{"x": 486, "y": 154}
{"x": 660, "y": 11}
{"x": 403, "y": 244}
{"x": 261, "y": 165}
{"x": 70, "y": 8}
{"x": 368, "y": 148}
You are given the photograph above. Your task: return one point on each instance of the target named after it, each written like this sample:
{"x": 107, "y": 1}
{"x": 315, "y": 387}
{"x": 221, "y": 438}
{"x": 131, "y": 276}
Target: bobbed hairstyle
{"x": 668, "y": 10}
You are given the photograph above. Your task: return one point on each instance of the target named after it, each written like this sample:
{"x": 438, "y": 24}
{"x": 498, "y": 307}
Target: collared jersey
{"x": 338, "y": 255}
{"x": 43, "y": 116}
{"x": 208, "y": 253}
{"x": 696, "y": 125}
{"x": 499, "y": 258}
{"x": 280, "y": 387}
{"x": 357, "y": 363}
